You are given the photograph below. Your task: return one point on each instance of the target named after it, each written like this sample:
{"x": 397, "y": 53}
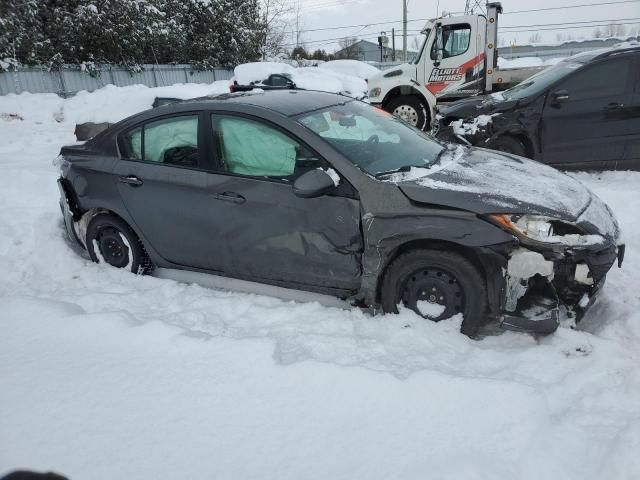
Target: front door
{"x": 265, "y": 232}
{"x": 462, "y": 58}
{"x": 589, "y": 128}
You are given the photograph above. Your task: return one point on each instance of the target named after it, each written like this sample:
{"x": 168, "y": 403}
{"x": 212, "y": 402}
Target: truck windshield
{"x": 426, "y": 33}
{"x": 372, "y": 139}
{"x": 537, "y": 83}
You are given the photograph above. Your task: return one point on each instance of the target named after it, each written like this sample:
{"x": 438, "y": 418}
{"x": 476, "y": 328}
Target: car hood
{"x": 474, "y": 106}
{"x": 485, "y": 181}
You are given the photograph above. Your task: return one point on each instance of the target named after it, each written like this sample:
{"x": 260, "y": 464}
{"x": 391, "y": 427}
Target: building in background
{"x": 366, "y": 51}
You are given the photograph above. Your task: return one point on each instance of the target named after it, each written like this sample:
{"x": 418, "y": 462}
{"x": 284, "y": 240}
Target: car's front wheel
{"x": 110, "y": 240}
{"x": 436, "y": 285}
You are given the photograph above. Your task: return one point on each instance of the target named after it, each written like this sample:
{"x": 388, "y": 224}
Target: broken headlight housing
{"x": 537, "y": 229}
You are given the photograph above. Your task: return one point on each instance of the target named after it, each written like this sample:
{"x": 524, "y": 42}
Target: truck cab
{"x": 458, "y": 59}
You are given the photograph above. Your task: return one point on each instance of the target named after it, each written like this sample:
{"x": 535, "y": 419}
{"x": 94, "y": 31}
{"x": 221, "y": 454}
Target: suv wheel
{"x": 110, "y": 240}
{"x": 436, "y": 285}
{"x": 410, "y": 109}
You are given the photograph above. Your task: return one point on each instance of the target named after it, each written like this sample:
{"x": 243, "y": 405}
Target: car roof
{"x": 623, "y": 48}
{"x": 286, "y": 102}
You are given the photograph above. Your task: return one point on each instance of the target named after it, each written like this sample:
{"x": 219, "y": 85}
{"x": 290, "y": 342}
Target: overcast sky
{"x": 331, "y": 13}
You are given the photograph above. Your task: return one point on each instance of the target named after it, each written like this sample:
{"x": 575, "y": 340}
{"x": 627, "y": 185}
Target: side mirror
{"x": 439, "y": 46}
{"x": 559, "y": 96}
{"x": 314, "y": 183}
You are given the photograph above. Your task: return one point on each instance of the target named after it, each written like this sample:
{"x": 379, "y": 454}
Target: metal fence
{"x": 70, "y": 79}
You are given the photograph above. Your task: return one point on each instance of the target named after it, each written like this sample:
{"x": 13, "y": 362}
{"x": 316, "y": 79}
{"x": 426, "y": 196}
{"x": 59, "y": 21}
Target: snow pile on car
{"x": 524, "y": 62}
{"x": 308, "y": 78}
{"x": 460, "y": 127}
{"x": 354, "y": 68}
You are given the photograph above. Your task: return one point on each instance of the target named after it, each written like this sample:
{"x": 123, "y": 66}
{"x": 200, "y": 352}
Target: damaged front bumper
{"x": 543, "y": 288}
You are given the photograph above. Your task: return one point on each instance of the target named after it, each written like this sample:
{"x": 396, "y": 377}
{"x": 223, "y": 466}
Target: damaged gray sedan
{"x": 318, "y": 192}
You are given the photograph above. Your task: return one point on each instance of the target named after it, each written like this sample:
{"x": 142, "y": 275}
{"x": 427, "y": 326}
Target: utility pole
{"x": 393, "y": 44}
{"x": 404, "y": 30}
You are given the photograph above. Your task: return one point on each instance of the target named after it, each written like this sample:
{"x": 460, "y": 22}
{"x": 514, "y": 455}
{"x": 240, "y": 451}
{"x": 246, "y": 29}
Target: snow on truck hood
{"x": 484, "y": 181}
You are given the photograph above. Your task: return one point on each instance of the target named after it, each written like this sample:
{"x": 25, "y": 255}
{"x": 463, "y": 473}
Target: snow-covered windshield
{"x": 372, "y": 139}
{"x": 538, "y": 82}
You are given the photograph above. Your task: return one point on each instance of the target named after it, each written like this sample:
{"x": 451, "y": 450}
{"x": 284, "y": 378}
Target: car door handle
{"x": 131, "y": 180}
{"x": 231, "y": 197}
{"x": 614, "y": 106}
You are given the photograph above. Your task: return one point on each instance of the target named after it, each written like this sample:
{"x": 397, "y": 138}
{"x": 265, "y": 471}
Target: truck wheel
{"x": 511, "y": 145}
{"x": 436, "y": 285}
{"x": 410, "y": 109}
{"x": 110, "y": 240}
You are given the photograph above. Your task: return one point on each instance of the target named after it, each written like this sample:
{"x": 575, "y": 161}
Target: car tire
{"x": 410, "y": 109}
{"x": 436, "y": 285}
{"x": 110, "y": 240}
{"x": 510, "y": 145}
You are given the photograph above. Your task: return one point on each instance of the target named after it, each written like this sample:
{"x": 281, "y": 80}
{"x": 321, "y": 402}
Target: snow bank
{"x": 308, "y": 78}
{"x": 108, "y": 375}
{"x": 354, "y": 68}
{"x": 108, "y": 104}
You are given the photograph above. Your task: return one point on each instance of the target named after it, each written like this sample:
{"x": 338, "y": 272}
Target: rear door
{"x": 264, "y": 231}
{"x": 164, "y": 180}
{"x": 632, "y": 145}
{"x": 591, "y": 127}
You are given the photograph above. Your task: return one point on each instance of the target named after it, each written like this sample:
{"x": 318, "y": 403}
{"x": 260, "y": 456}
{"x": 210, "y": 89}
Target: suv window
{"x": 605, "y": 79}
{"x": 172, "y": 141}
{"x": 455, "y": 39}
{"x": 252, "y": 148}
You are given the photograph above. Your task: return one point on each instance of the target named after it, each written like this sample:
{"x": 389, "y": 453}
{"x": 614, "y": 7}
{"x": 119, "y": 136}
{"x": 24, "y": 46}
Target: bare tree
{"x": 350, "y": 48}
{"x": 614, "y": 30}
{"x": 535, "y": 38}
{"x": 276, "y": 18}
{"x": 597, "y": 33}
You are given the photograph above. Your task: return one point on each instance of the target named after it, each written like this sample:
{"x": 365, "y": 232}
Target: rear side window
{"x": 604, "y": 79}
{"x": 455, "y": 39}
{"x": 172, "y": 141}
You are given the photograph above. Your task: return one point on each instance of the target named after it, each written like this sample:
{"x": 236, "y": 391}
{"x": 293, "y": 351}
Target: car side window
{"x": 604, "y": 79}
{"x": 172, "y": 141}
{"x": 455, "y": 40}
{"x": 252, "y": 148}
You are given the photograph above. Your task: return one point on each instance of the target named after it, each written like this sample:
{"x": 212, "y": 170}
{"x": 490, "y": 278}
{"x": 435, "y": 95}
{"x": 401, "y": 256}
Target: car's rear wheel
{"x": 510, "y": 145}
{"x": 410, "y": 109}
{"x": 437, "y": 285}
{"x": 110, "y": 240}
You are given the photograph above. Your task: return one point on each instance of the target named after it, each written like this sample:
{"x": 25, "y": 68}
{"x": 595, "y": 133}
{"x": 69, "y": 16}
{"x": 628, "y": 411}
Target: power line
{"x": 559, "y": 26}
{"x": 570, "y": 23}
{"x": 425, "y": 19}
{"x": 571, "y": 6}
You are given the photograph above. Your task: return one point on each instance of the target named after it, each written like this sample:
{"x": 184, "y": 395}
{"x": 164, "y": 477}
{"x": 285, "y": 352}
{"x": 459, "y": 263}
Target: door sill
{"x": 209, "y": 280}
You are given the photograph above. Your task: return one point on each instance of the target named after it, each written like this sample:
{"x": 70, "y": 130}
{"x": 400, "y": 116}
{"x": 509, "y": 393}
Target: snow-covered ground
{"x": 107, "y": 375}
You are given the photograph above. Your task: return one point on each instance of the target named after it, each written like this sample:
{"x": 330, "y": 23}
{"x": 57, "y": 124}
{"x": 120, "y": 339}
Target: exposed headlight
{"x": 374, "y": 92}
{"x": 531, "y": 226}
{"x": 540, "y": 229}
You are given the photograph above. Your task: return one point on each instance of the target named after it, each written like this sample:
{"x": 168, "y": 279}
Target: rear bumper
{"x": 70, "y": 212}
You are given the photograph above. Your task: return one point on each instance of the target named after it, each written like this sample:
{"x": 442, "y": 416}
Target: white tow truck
{"x": 458, "y": 59}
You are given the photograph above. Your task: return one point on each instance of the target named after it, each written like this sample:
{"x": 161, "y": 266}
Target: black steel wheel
{"x": 433, "y": 294}
{"x": 436, "y": 285}
{"x": 110, "y": 240}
